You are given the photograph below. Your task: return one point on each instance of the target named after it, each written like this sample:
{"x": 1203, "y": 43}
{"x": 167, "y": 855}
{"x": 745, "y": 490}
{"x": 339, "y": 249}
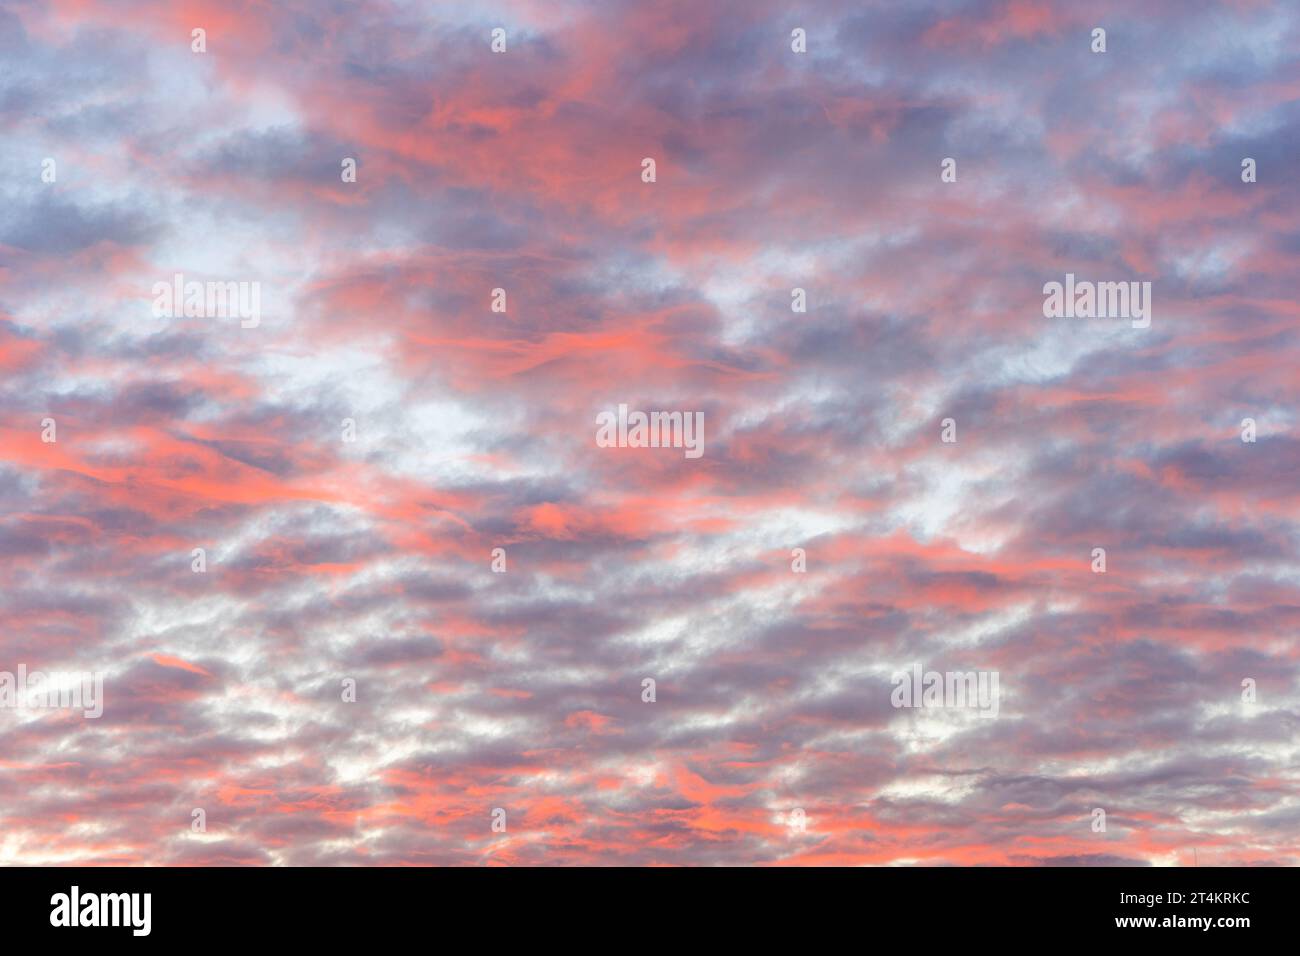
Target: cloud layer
{"x": 371, "y": 560}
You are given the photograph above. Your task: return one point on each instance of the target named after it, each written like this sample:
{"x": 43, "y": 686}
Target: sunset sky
{"x": 330, "y": 560}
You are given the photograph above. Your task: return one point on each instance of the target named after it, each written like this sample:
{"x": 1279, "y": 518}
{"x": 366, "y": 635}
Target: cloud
{"x": 349, "y": 466}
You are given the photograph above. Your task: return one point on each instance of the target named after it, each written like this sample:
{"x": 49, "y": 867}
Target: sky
{"x": 912, "y": 473}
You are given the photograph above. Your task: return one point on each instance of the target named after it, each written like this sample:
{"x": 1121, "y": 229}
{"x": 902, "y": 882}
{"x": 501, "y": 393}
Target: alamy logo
{"x": 1098, "y": 300}
{"x": 54, "y": 691}
{"x": 103, "y": 909}
{"x": 653, "y": 430}
{"x": 208, "y": 300}
{"x": 959, "y": 689}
